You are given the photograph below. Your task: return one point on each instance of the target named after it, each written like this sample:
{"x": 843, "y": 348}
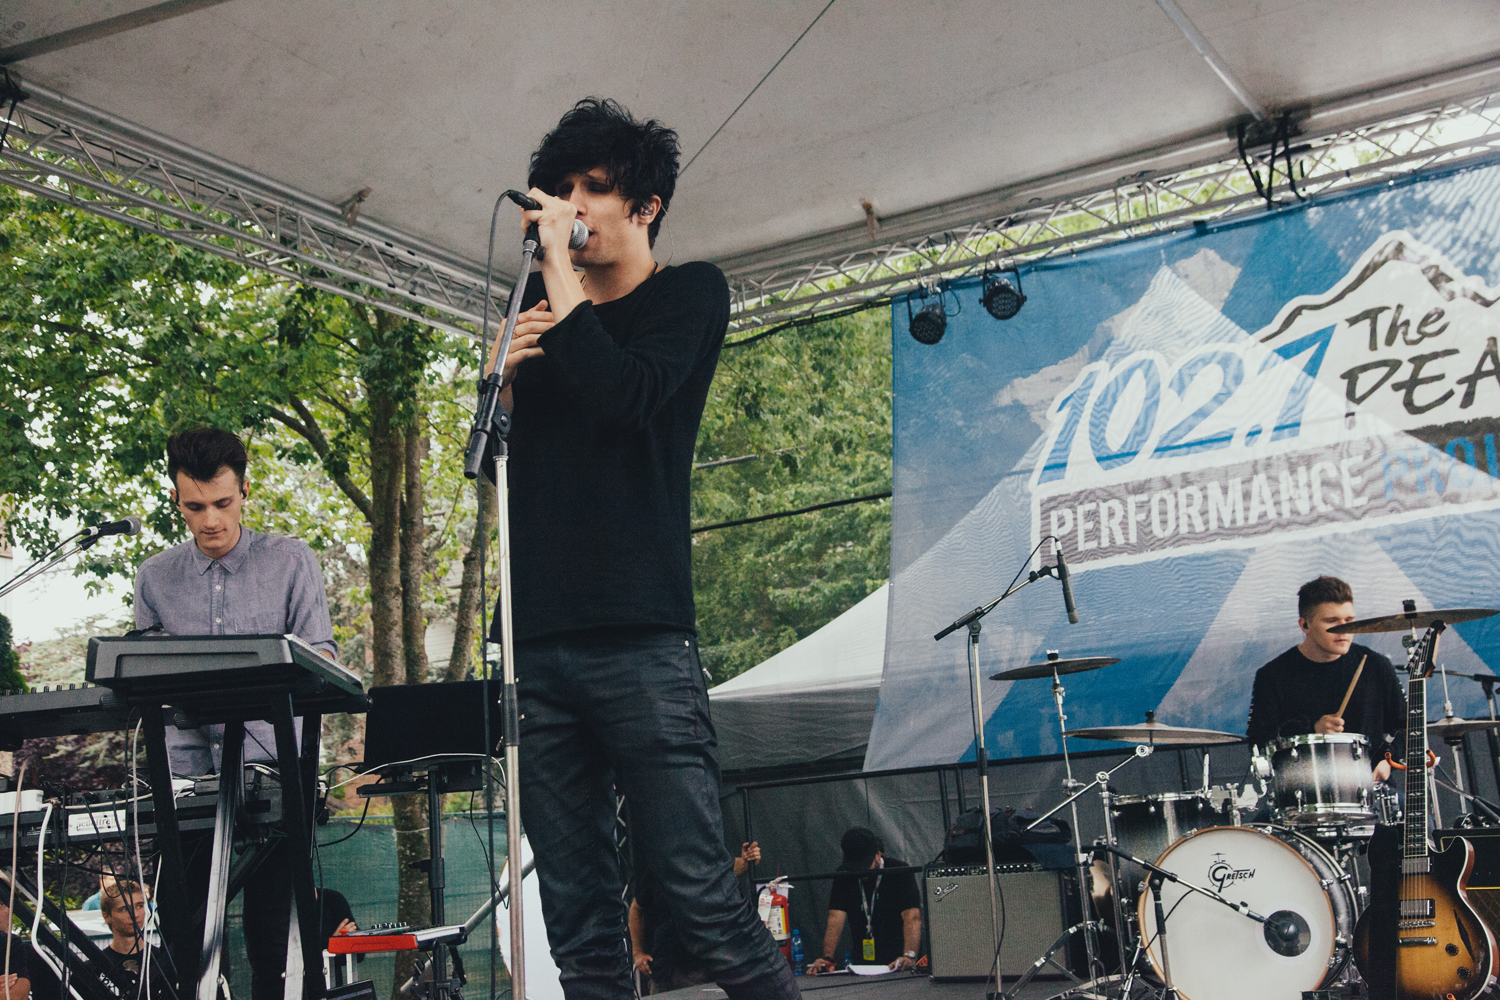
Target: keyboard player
{"x": 230, "y": 580}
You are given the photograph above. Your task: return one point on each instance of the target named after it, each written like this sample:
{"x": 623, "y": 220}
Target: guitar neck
{"x": 1414, "y": 839}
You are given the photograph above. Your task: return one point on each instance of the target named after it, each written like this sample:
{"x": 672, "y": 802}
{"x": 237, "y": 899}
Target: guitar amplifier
{"x": 1037, "y": 906}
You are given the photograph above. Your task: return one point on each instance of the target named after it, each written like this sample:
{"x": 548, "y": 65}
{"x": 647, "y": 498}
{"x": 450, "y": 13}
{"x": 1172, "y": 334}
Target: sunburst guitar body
{"x": 1444, "y": 951}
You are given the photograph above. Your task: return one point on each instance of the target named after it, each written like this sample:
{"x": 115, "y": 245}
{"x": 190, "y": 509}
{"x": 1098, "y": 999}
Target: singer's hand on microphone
{"x": 554, "y": 222}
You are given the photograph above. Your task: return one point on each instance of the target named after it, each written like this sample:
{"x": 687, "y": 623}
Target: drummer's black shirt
{"x": 1292, "y": 693}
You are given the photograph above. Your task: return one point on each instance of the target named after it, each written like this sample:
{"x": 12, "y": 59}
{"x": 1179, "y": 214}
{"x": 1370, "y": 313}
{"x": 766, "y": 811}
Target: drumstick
{"x": 1345, "y": 703}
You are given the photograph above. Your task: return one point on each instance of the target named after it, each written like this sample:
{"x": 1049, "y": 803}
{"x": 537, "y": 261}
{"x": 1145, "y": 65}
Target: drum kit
{"x": 1258, "y": 883}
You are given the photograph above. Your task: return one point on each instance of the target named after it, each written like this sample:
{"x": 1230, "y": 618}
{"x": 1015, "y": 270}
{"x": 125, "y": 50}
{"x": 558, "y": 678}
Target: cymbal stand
{"x": 1101, "y": 781}
{"x": 1081, "y": 860}
{"x": 973, "y": 622}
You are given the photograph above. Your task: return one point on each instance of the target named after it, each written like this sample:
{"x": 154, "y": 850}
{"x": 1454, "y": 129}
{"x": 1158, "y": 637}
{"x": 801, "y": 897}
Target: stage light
{"x": 931, "y": 321}
{"x": 1001, "y": 299}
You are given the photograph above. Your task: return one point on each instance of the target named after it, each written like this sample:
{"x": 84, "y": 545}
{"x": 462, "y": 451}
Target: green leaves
{"x": 813, "y": 408}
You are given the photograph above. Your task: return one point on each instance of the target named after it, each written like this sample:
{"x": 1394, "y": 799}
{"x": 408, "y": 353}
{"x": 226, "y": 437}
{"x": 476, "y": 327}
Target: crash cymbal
{"x": 1155, "y": 733}
{"x": 1077, "y": 665}
{"x": 1415, "y": 619}
{"x": 1453, "y": 730}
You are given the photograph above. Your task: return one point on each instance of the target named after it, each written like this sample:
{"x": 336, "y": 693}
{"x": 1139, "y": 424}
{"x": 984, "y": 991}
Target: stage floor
{"x": 895, "y": 986}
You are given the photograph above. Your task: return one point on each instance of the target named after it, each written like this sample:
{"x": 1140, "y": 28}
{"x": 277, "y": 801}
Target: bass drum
{"x": 1218, "y": 954}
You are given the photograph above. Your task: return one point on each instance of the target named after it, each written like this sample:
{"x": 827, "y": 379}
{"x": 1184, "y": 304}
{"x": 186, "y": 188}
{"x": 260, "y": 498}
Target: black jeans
{"x": 629, "y": 710}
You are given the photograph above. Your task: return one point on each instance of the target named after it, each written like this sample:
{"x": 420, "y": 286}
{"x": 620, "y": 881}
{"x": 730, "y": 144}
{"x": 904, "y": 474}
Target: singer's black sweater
{"x": 1292, "y": 693}
{"x": 601, "y": 457}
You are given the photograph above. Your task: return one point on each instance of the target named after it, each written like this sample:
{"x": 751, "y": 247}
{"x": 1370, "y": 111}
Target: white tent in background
{"x": 812, "y": 701}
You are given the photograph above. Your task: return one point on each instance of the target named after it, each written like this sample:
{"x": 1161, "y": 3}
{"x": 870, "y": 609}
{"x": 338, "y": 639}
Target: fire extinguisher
{"x": 775, "y": 913}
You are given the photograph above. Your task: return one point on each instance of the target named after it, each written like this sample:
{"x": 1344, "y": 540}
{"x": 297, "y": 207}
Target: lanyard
{"x": 867, "y": 903}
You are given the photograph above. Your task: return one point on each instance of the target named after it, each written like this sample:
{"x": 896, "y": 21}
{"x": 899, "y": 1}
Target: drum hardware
{"x": 1088, "y": 927}
{"x": 974, "y": 621}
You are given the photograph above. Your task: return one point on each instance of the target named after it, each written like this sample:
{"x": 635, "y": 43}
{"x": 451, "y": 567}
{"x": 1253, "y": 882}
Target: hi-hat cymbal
{"x": 1156, "y": 733}
{"x": 1077, "y": 665}
{"x": 1453, "y": 730}
{"x": 1415, "y": 619}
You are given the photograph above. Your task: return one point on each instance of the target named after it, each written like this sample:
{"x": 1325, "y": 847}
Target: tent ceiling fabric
{"x": 436, "y": 104}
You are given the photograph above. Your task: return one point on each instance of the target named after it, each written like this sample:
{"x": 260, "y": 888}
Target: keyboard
{"x": 75, "y": 710}
{"x": 222, "y": 677}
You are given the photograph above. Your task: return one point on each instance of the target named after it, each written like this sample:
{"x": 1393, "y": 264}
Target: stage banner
{"x": 1204, "y": 420}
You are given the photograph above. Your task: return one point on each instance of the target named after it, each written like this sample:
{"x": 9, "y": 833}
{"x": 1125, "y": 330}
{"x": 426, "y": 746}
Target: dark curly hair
{"x": 639, "y": 158}
{"x": 1323, "y": 590}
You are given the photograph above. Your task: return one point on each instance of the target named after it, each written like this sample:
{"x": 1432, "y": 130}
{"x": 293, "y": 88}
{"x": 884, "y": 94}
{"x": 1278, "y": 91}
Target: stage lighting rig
{"x": 931, "y": 321}
{"x": 1001, "y": 299}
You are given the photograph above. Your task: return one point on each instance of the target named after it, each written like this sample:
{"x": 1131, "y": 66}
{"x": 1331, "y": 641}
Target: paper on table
{"x": 869, "y": 970}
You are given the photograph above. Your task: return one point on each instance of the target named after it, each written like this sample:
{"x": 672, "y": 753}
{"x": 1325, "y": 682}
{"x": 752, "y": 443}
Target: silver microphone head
{"x": 580, "y": 235}
{"x": 135, "y": 525}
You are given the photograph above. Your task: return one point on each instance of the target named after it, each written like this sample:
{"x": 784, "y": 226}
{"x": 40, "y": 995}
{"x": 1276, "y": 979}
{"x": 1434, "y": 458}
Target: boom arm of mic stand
{"x": 1241, "y": 908}
{"x": 34, "y": 570}
{"x": 1089, "y": 787}
{"x": 984, "y": 609}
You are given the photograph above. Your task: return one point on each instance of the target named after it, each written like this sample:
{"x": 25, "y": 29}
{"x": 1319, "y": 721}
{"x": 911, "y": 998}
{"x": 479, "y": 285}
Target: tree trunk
{"x": 469, "y": 595}
{"x": 413, "y": 558}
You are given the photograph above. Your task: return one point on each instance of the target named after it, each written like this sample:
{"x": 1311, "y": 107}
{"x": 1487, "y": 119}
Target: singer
{"x": 606, "y": 380}
{"x": 230, "y": 580}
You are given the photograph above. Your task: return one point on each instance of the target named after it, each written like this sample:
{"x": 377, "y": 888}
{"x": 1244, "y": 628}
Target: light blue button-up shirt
{"x": 266, "y": 584}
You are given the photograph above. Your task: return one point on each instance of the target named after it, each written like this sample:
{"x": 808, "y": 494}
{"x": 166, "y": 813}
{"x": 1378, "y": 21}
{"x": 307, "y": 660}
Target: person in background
{"x": 656, "y": 948}
{"x": 15, "y": 984}
{"x": 883, "y": 912}
{"x": 129, "y": 956}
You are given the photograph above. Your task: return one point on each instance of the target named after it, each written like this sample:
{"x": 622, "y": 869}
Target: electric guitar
{"x": 1443, "y": 949}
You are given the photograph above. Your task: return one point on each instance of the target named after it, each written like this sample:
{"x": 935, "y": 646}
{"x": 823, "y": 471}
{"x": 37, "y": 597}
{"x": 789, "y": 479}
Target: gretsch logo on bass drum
{"x": 939, "y": 893}
{"x": 1222, "y": 873}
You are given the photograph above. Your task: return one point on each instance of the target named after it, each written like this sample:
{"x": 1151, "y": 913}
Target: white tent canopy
{"x": 812, "y": 701}
{"x": 793, "y": 113}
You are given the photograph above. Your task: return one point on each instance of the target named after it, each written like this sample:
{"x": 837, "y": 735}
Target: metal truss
{"x": 1296, "y": 169}
{"x": 59, "y": 149}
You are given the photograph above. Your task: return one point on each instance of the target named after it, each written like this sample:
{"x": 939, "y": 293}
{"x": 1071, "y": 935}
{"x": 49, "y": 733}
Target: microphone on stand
{"x": 580, "y": 234}
{"x": 1067, "y": 585}
{"x": 125, "y": 526}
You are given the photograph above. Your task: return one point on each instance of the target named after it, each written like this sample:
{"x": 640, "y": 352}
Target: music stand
{"x": 430, "y": 738}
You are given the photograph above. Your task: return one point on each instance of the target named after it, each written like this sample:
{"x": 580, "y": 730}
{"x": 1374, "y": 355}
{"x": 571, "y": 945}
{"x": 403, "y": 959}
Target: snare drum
{"x": 1218, "y": 954}
{"x": 1322, "y": 779}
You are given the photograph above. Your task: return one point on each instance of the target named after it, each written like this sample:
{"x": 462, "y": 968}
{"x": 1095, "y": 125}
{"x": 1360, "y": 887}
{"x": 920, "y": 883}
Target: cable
{"x": 362, "y": 816}
{"x": 398, "y": 763}
{"x": 792, "y": 513}
{"x": 41, "y": 898}
{"x": 757, "y": 86}
{"x": 15, "y": 857}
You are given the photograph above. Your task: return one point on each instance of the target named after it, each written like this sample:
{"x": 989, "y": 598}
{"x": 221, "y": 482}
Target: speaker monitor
{"x": 1037, "y": 905}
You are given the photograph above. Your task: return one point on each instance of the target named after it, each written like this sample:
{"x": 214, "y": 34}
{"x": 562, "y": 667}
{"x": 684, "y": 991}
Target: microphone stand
{"x": 973, "y": 621}
{"x": 491, "y": 425}
{"x": 36, "y": 569}
{"x": 1159, "y": 875}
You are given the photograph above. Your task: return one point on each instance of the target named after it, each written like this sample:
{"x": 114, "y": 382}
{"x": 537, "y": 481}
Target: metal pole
{"x": 984, "y": 794}
{"x": 1080, "y": 859}
{"x": 512, "y": 729}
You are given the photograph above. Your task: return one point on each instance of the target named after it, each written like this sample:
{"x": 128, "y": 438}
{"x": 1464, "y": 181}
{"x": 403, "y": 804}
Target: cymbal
{"x": 1156, "y": 733}
{"x": 1414, "y": 619}
{"x": 1454, "y": 729}
{"x": 1077, "y": 665}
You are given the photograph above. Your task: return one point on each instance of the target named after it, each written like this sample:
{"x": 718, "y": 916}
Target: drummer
{"x": 1299, "y": 692}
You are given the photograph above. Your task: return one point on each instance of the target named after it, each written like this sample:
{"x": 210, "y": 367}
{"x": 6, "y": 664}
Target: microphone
{"x": 1067, "y": 584}
{"x": 125, "y": 526}
{"x": 580, "y": 234}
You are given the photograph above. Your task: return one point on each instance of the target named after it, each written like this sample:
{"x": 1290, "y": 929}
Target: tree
{"x": 794, "y": 420}
{"x": 110, "y": 339}
{"x": 11, "y": 678}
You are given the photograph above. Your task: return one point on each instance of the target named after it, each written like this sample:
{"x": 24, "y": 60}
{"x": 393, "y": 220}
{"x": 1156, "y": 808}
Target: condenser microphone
{"x": 1067, "y": 584}
{"x": 580, "y": 234}
{"x": 125, "y": 526}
